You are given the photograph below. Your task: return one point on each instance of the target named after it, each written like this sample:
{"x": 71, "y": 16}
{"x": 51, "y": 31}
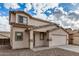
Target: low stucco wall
{"x": 4, "y": 35}
{"x": 44, "y": 29}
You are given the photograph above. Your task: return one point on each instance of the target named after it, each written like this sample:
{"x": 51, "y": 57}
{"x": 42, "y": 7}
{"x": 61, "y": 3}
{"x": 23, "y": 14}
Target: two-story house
{"x": 30, "y": 32}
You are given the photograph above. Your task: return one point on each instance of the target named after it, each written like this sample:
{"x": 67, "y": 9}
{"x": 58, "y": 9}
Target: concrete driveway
{"x": 28, "y": 52}
{"x": 72, "y": 48}
{"x": 59, "y": 51}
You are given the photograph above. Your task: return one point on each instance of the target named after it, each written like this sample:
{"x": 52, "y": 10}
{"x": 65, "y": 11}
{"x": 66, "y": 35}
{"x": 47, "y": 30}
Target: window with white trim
{"x": 22, "y": 19}
{"x": 18, "y": 36}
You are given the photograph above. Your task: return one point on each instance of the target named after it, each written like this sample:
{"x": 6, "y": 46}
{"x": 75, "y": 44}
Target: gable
{"x": 34, "y": 22}
{"x": 45, "y": 28}
{"x": 31, "y": 20}
{"x": 59, "y": 31}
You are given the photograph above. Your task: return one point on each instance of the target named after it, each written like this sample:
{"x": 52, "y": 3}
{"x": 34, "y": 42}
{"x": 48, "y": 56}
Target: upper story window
{"x": 22, "y": 19}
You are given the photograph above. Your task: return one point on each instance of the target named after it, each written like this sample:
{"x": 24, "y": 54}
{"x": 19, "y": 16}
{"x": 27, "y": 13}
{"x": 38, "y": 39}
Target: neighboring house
{"x": 70, "y": 31}
{"x": 4, "y": 39}
{"x": 76, "y": 38}
{"x": 73, "y": 36}
{"x": 30, "y": 32}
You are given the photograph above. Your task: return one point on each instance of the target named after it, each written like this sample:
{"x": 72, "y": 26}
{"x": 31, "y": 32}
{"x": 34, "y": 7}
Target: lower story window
{"x": 18, "y": 36}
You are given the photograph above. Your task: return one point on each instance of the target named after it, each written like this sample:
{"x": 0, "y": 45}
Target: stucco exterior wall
{"x": 76, "y": 40}
{"x": 2, "y": 37}
{"x": 5, "y": 34}
{"x": 44, "y": 29}
{"x": 20, "y": 44}
{"x": 76, "y": 34}
{"x": 13, "y": 18}
{"x": 36, "y": 22}
{"x": 58, "y": 31}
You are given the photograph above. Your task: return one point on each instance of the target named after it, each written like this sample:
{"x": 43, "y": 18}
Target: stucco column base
{"x": 31, "y": 44}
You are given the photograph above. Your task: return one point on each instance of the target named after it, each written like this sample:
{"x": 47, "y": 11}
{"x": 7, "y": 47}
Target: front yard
{"x": 28, "y": 52}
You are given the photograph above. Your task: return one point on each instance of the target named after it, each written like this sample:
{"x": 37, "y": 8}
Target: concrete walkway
{"x": 40, "y": 48}
{"x": 69, "y": 48}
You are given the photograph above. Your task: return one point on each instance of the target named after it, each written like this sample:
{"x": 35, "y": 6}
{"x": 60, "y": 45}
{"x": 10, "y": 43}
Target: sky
{"x": 64, "y": 14}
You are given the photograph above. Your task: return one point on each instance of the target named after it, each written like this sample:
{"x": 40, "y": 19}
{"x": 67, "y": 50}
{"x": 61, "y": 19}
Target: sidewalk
{"x": 70, "y": 48}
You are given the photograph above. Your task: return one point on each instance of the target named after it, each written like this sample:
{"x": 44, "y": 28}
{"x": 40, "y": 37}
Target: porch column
{"x": 50, "y": 40}
{"x": 31, "y": 39}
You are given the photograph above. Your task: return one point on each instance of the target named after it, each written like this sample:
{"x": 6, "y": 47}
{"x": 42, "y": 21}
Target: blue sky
{"x": 64, "y": 14}
{"x": 4, "y": 11}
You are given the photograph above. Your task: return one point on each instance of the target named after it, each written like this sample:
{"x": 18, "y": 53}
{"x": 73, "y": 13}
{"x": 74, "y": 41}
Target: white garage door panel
{"x": 58, "y": 40}
{"x": 76, "y": 40}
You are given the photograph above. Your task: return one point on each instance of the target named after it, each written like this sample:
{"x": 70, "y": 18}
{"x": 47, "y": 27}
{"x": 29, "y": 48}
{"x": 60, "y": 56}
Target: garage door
{"x": 59, "y": 40}
{"x": 76, "y": 40}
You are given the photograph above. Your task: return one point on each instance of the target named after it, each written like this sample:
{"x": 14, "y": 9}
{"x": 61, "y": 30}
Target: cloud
{"x": 39, "y": 11}
{"x": 4, "y": 23}
{"x": 67, "y": 22}
{"x": 50, "y": 5}
{"x": 28, "y": 7}
{"x": 55, "y": 13}
{"x": 73, "y": 16}
{"x": 11, "y": 5}
{"x": 64, "y": 19}
{"x": 58, "y": 14}
{"x": 41, "y": 8}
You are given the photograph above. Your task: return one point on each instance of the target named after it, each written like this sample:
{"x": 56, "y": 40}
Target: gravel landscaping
{"x": 28, "y": 52}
